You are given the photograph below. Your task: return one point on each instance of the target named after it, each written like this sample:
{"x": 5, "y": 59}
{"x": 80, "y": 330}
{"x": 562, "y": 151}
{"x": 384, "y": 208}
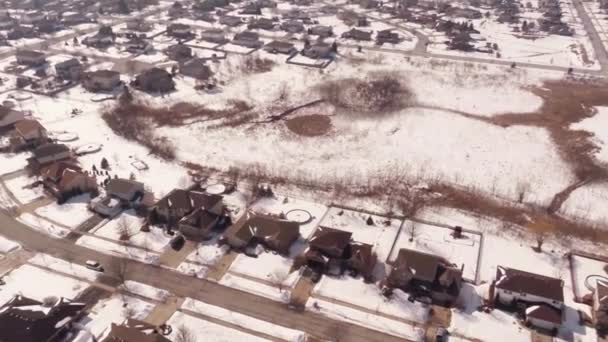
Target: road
{"x": 594, "y": 37}
{"x": 316, "y": 325}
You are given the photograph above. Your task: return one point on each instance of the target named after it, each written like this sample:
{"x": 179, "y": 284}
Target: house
{"x": 48, "y": 26}
{"x": 120, "y": 193}
{"x": 261, "y": 24}
{"x": 321, "y": 31}
{"x": 209, "y": 5}
{"x": 179, "y": 203}
{"x": 252, "y": 229}
{"x": 103, "y": 38}
{"x": 512, "y": 286}
{"x": 28, "y": 320}
{"x": 74, "y": 18}
{"x": 49, "y": 153}
{"x": 181, "y": 31}
{"x": 179, "y": 52}
{"x": 544, "y": 316}
{"x": 31, "y": 17}
{"x": 101, "y": 80}
{"x": 195, "y": 68}
{"x": 266, "y": 3}
{"x": 139, "y": 25}
{"x": 134, "y": 331}
{"x": 280, "y": 47}
{"x": 251, "y": 9}
{"x": 214, "y": 36}
{"x": 231, "y": 21}
{"x": 64, "y": 180}
{"x": 426, "y": 275}
{"x": 292, "y": 26}
{"x": 69, "y": 70}
{"x": 30, "y": 57}
{"x": 200, "y": 224}
{"x": 29, "y": 133}
{"x": 387, "y": 37}
{"x": 177, "y": 10}
{"x": 138, "y": 45}
{"x": 20, "y": 31}
{"x": 248, "y": 39}
{"x": 332, "y": 251}
{"x": 357, "y": 35}
{"x": 9, "y": 116}
{"x": 154, "y": 80}
{"x": 318, "y": 51}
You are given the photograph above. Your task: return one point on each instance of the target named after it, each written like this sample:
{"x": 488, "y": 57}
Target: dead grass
{"x": 309, "y": 125}
{"x": 254, "y": 64}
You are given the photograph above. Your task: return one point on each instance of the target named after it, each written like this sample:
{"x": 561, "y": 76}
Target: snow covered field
{"x": 216, "y": 332}
{"x": 11, "y": 162}
{"x": 255, "y": 287}
{"x": 7, "y": 246}
{"x": 72, "y": 213}
{"x": 586, "y": 272}
{"x": 598, "y": 125}
{"x": 43, "y": 225}
{"x": 588, "y": 203}
{"x": 20, "y": 187}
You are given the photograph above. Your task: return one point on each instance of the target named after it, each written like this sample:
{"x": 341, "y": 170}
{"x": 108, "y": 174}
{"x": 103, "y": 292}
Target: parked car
{"x": 178, "y": 242}
{"x": 94, "y": 265}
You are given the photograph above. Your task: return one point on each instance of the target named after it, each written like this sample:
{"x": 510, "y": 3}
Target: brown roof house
{"x": 27, "y": 320}
{"x": 101, "y": 80}
{"x": 542, "y": 296}
{"x": 179, "y": 52}
{"x": 357, "y": 35}
{"x": 154, "y": 80}
{"x": 179, "y": 203}
{"x": 269, "y": 231}
{"x": 134, "y": 331}
{"x": 30, "y": 57}
{"x": 28, "y": 133}
{"x": 65, "y": 180}
{"x": 69, "y": 70}
{"x": 214, "y": 36}
{"x": 426, "y": 275}
{"x": 276, "y": 46}
{"x": 9, "y": 116}
{"x": 248, "y": 39}
{"x": 120, "y": 194}
{"x": 180, "y": 31}
{"x": 195, "y": 68}
{"x": 332, "y": 251}
{"x": 319, "y": 50}
{"x": 47, "y": 154}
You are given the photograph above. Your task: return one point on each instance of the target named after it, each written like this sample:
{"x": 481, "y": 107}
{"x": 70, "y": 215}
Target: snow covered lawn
{"x": 440, "y": 241}
{"x": 588, "y": 203}
{"x": 267, "y": 267}
{"x": 43, "y": 226}
{"x": 155, "y": 240}
{"x": 244, "y": 321}
{"x": 257, "y": 288}
{"x": 7, "y": 246}
{"x": 62, "y": 266}
{"x": 598, "y": 125}
{"x": 11, "y": 162}
{"x": 211, "y": 331}
{"x": 207, "y": 254}
{"x": 20, "y": 187}
{"x": 145, "y": 290}
{"x": 72, "y": 213}
{"x": 38, "y": 284}
{"x": 585, "y": 272}
{"x": 354, "y": 291}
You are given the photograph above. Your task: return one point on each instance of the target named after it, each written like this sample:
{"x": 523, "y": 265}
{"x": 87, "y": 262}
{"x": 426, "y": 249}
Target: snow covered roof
{"x": 545, "y": 313}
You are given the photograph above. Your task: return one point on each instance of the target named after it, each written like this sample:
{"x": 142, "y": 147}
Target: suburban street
{"x": 316, "y": 325}
{"x": 594, "y": 37}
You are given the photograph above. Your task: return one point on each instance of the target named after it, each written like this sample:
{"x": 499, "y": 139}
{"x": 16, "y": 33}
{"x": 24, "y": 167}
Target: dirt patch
{"x": 309, "y": 125}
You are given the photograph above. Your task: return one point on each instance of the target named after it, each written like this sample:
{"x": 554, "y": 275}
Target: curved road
{"x": 314, "y": 324}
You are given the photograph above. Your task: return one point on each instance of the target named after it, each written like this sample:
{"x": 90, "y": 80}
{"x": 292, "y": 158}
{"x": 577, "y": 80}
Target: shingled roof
{"x": 530, "y": 283}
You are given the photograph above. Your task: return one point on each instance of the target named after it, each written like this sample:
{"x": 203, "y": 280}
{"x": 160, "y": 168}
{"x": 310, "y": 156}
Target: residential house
{"x": 248, "y": 39}
{"x": 332, "y": 251}
{"x": 177, "y": 10}
{"x": 230, "y": 20}
{"x": 387, "y": 37}
{"x": 318, "y": 51}
{"x": 21, "y": 31}
{"x": 138, "y": 45}
{"x": 69, "y": 70}
{"x": 292, "y": 26}
{"x": 512, "y": 286}
{"x": 266, "y": 3}
{"x": 29, "y": 133}
{"x": 9, "y": 116}
{"x": 134, "y": 331}
{"x": 74, "y": 18}
{"x": 154, "y": 80}
{"x": 357, "y": 35}
{"x": 32, "y": 17}
{"x": 64, "y": 180}
{"x": 297, "y": 15}
{"x": 30, "y": 57}
{"x": 280, "y": 47}
{"x": 179, "y": 52}
{"x": 180, "y": 31}
{"x": 48, "y": 26}
{"x": 139, "y": 25}
{"x": 261, "y": 24}
{"x": 102, "y": 39}
{"x": 195, "y": 68}
{"x": 101, "y": 80}
{"x": 214, "y": 36}
{"x": 544, "y": 316}
{"x": 426, "y": 275}
{"x": 199, "y": 225}
{"x": 321, "y": 31}
{"x": 48, "y": 154}
{"x": 251, "y": 9}
{"x": 120, "y": 193}
{"x": 27, "y": 320}
{"x": 179, "y": 203}
{"x": 209, "y": 5}
{"x": 273, "y": 233}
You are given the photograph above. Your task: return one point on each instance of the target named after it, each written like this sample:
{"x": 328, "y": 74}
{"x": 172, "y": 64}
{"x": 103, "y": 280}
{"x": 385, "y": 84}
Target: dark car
{"x": 178, "y": 242}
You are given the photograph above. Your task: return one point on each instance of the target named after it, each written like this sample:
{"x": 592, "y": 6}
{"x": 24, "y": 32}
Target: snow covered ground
{"x": 11, "y": 162}
{"x": 586, "y": 272}
{"x": 206, "y": 255}
{"x": 213, "y": 331}
{"x": 20, "y": 187}
{"x": 72, "y": 213}
{"x": 598, "y": 125}
{"x": 7, "y": 246}
{"x": 267, "y": 267}
{"x": 588, "y": 203}
{"x": 257, "y": 288}
{"x": 43, "y": 225}
{"x": 244, "y": 321}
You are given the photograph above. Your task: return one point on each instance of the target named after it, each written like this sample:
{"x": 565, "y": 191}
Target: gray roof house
{"x": 195, "y": 68}
{"x": 69, "y": 70}
{"x": 101, "y": 80}
{"x": 280, "y": 47}
{"x": 248, "y": 39}
{"x": 214, "y": 36}
{"x": 154, "y": 80}
{"x": 30, "y": 57}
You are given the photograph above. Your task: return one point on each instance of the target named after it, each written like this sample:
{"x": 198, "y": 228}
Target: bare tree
{"x": 541, "y": 229}
{"x": 412, "y": 230}
{"x": 277, "y": 278}
{"x": 123, "y": 228}
{"x": 184, "y": 334}
{"x": 523, "y": 187}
